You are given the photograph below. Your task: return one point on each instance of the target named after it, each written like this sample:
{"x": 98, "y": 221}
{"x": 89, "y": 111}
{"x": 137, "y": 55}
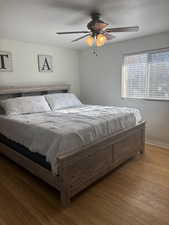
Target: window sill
{"x": 146, "y": 99}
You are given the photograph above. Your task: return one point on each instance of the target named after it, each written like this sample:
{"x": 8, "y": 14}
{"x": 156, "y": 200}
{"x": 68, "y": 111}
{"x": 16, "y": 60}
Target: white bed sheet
{"x": 54, "y": 133}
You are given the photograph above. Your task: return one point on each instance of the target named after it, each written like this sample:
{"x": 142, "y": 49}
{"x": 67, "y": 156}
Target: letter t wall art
{"x": 5, "y": 61}
{"x": 45, "y": 63}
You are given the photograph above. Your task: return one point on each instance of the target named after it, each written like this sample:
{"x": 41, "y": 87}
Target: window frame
{"x": 123, "y": 86}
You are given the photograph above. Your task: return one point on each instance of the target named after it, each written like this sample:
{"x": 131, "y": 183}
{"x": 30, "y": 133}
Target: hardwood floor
{"x": 137, "y": 193}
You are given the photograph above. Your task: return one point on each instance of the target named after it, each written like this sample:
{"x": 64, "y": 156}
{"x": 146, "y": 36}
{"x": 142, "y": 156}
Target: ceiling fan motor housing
{"x": 96, "y": 25}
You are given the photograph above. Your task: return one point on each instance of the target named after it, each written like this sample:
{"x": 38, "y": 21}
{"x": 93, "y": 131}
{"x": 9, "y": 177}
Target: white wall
{"x": 100, "y": 79}
{"x": 25, "y": 66}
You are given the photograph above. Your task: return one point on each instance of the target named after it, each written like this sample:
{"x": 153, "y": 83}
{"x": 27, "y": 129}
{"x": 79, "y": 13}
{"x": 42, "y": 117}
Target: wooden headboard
{"x": 12, "y": 92}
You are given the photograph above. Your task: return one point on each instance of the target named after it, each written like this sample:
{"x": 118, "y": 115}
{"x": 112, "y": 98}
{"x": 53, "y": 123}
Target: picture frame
{"x": 6, "y": 61}
{"x": 45, "y": 63}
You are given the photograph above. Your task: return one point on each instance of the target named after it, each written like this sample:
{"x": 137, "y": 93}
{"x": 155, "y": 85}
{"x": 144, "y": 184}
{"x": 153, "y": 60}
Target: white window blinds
{"x": 146, "y": 75}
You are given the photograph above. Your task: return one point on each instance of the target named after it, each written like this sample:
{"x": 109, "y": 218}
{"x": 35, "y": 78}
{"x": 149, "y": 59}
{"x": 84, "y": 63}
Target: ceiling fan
{"x": 98, "y": 31}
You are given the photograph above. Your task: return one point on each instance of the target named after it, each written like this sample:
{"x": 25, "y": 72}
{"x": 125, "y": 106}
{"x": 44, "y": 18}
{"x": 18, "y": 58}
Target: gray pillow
{"x": 62, "y": 100}
{"x": 24, "y": 105}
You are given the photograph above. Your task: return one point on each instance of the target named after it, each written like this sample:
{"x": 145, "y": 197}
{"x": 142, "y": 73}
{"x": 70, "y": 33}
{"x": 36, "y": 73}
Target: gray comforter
{"x": 55, "y": 133}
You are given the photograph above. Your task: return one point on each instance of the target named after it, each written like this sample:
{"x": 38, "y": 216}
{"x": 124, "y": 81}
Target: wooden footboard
{"x": 79, "y": 170}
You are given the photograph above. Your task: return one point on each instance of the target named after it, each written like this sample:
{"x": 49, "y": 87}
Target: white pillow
{"x": 62, "y": 100}
{"x": 24, "y": 105}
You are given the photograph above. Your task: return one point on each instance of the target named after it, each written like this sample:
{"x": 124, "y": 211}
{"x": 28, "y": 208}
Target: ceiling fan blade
{"x": 123, "y": 29}
{"x": 74, "y": 32}
{"x": 77, "y": 39}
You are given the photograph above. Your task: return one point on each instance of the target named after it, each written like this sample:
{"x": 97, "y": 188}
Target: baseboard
{"x": 158, "y": 144}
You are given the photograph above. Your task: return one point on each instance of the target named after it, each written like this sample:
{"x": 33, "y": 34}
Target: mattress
{"x": 56, "y": 133}
{"x": 35, "y": 157}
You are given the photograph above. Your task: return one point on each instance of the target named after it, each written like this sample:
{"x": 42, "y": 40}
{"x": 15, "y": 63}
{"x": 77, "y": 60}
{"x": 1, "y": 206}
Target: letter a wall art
{"x": 45, "y": 63}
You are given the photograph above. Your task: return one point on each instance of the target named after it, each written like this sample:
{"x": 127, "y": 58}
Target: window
{"x": 146, "y": 75}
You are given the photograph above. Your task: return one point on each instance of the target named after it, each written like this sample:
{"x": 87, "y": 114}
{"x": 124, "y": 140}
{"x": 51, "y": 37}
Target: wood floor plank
{"x": 137, "y": 193}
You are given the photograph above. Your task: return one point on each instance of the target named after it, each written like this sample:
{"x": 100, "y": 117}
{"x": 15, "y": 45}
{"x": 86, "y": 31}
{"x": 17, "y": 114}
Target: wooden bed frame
{"x": 78, "y": 170}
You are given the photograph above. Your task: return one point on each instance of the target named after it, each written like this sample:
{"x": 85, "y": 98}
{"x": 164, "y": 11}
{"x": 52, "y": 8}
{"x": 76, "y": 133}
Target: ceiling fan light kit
{"x": 100, "y": 40}
{"x": 90, "y": 41}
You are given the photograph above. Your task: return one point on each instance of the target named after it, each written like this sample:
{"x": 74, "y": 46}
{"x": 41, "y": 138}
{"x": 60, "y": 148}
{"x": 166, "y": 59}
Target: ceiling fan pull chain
{"x": 94, "y": 51}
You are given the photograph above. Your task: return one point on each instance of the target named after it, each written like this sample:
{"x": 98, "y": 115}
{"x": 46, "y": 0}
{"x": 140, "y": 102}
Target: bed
{"x": 82, "y": 143}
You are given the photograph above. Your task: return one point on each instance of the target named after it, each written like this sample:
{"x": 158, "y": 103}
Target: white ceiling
{"x": 39, "y": 20}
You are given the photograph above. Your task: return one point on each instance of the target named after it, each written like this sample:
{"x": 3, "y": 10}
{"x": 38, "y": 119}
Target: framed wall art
{"x": 5, "y": 61}
{"x": 45, "y": 63}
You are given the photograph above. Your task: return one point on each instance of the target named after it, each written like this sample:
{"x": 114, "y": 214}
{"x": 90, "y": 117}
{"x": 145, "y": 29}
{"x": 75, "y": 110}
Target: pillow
{"x": 62, "y": 100}
{"x": 24, "y": 105}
